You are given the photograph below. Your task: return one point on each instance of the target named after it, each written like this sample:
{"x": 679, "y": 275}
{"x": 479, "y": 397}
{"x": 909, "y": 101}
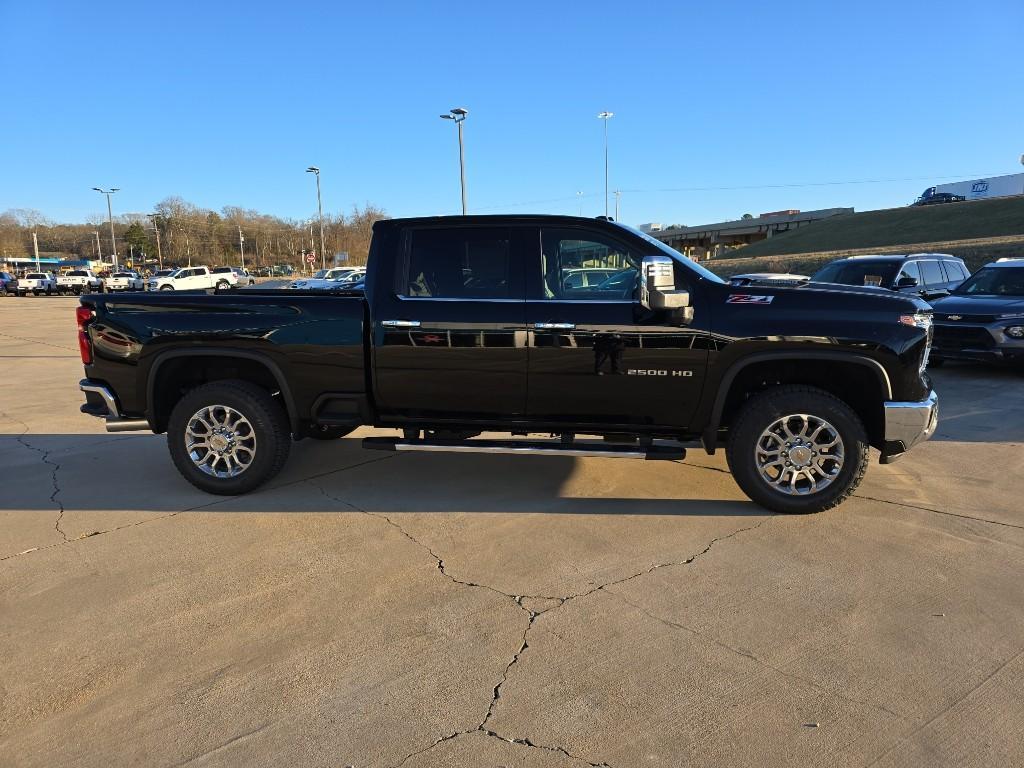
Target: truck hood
{"x": 871, "y": 294}
{"x": 978, "y": 305}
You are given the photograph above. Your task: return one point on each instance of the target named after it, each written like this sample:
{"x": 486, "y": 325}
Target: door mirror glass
{"x": 906, "y": 282}
{"x": 658, "y": 287}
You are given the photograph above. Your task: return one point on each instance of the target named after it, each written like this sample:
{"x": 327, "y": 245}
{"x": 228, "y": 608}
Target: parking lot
{"x": 374, "y": 609}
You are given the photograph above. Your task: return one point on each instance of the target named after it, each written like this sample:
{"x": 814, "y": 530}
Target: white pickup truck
{"x": 125, "y": 281}
{"x": 36, "y": 283}
{"x": 79, "y": 281}
{"x": 188, "y": 279}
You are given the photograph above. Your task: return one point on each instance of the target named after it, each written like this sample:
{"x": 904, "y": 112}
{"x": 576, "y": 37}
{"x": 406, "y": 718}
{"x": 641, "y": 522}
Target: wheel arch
{"x": 811, "y": 362}
{"x": 159, "y": 405}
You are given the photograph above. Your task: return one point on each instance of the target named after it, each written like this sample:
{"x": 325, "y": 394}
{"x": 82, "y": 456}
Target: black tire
{"x": 269, "y": 425}
{"x": 166, "y": 287}
{"x": 222, "y": 285}
{"x": 761, "y": 411}
{"x": 320, "y": 432}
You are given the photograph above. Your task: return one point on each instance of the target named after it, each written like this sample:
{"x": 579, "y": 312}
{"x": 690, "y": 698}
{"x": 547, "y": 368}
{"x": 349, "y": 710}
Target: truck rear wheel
{"x": 228, "y": 437}
{"x": 797, "y": 450}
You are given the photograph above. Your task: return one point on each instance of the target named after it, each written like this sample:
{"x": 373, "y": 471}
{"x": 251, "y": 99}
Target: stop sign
{"x": 311, "y": 258}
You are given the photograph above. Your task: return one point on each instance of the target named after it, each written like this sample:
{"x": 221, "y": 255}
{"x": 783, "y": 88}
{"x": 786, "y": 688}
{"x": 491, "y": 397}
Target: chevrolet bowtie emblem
{"x": 954, "y": 317}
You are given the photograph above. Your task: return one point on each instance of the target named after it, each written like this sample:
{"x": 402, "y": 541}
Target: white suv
{"x": 189, "y": 279}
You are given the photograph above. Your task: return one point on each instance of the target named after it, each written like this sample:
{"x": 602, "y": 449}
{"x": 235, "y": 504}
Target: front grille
{"x": 983, "y": 319}
{"x": 959, "y": 336}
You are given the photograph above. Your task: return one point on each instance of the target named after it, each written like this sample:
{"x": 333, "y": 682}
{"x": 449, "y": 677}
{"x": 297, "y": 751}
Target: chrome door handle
{"x": 554, "y": 326}
{"x": 400, "y": 323}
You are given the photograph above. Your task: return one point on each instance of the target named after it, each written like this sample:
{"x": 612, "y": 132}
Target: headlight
{"x": 1015, "y": 331}
{"x": 918, "y": 320}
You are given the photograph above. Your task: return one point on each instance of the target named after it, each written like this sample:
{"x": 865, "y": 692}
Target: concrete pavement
{"x": 429, "y": 610}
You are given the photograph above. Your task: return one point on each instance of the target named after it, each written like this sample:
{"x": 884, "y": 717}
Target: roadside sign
{"x": 311, "y": 258}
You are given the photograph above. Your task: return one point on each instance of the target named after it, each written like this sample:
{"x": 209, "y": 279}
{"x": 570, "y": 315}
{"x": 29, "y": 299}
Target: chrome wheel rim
{"x": 799, "y": 454}
{"x": 220, "y": 441}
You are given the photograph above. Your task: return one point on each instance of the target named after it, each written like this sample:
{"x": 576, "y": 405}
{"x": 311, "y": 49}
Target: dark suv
{"x": 7, "y": 283}
{"x": 928, "y": 275}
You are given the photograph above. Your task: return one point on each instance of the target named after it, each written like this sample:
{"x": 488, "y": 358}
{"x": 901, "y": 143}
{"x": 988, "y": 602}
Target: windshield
{"x": 994, "y": 281}
{"x": 673, "y": 253}
{"x": 876, "y": 273}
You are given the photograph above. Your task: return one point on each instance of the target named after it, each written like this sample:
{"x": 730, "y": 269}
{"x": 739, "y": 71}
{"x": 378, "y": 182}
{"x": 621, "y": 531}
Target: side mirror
{"x": 658, "y": 286}
{"x": 906, "y": 282}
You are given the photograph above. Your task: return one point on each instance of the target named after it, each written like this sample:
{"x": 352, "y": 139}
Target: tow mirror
{"x": 906, "y": 282}
{"x": 658, "y": 287}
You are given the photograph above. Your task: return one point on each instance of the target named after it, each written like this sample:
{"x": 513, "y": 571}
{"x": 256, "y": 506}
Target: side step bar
{"x": 654, "y": 451}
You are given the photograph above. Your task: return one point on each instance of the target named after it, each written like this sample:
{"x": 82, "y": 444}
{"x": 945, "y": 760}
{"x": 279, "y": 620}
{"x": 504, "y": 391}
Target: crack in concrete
{"x": 481, "y": 727}
{"x": 752, "y": 657}
{"x": 55, "y": 467}
{"x": 938, "y": 511}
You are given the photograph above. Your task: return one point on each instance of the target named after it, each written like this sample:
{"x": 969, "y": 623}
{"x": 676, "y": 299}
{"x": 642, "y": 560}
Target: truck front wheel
{"x": 797, "y": 449}
{"x": 228, "y": 437}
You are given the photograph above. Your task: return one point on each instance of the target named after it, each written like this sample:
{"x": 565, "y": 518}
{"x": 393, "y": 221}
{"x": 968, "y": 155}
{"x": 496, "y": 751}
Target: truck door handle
{"x": 554, "y": 326}
{"x": 400, "y": 323}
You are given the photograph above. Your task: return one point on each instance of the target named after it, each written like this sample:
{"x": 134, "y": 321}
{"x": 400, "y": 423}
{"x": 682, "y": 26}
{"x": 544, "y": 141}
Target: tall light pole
{"x": 99, "y": 255}
{"x": 110, "y": 218}
{"x": 618, "y": 194}
{"x": 458, "y": 114}
{"x": 606, "y": 116}
{"x": 579, "y": 201}
{"x": 320, "y": 209}
{"x": 156, "y": 229}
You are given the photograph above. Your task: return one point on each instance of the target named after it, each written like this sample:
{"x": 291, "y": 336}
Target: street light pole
{"x": 99, "y": 255}
{"x": 606, "y": 116}
{"x": 110, "y": 218}
{"x": 458, "y": 114}
{"x": 320, "y": 210}
{"x": 618, "y": 194}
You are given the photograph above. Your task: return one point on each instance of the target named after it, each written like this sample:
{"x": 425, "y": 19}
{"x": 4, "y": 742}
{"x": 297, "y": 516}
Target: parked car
{"x": 7, "y": 283}
{"x": 231, "y": 274}
{"x": 243, "y": 276}
{"x": 928, "y": 275}
{"x": 467, "y": 327}
{"x": 587, "y": 277}
{"x": 189, "y": 279}
{"x": 36, "y": 283}
{"x": 772, "y": 278}
{"x": 323, "y": 278}
{"x": 125, "y": 281}
{"x": 983, "y": 319}
{"x": 79, "y": 281}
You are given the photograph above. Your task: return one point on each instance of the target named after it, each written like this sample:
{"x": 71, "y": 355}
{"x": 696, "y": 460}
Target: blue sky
{"x": 226, "y": 104}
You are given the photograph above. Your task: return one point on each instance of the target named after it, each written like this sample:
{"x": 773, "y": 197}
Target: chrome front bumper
{"x": 907, "y": 424}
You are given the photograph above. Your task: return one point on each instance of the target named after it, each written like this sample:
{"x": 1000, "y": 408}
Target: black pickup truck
{"x": 586, "y": 330}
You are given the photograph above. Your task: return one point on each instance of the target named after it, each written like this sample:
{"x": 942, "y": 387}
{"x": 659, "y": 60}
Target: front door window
{"x": 580, "y": 266}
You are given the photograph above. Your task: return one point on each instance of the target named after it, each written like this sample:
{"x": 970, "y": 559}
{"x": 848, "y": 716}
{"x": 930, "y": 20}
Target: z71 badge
{"x": 748, "y": 298}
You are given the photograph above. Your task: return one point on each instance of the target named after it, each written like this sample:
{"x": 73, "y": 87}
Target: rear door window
{"x": 932, "y": 273}
{"x": 459, "y": 263}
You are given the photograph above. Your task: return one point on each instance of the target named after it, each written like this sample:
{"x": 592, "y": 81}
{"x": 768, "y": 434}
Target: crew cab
{"x": 469, "y": 325}
{"x": 125, "y": 281}
{"x": 189, "y": 279}
{"x": 35, "y": 283}
{"x": 79, "y": 281}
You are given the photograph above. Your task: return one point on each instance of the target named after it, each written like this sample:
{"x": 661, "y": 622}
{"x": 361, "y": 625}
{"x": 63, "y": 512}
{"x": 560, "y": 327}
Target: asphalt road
{"x": 429, "y": 610}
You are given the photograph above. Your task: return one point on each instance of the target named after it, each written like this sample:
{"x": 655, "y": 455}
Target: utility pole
{"x": 35, "y": 247}
{"x": 312, "y": 248}
{"x": 241, "y": 245}
{"x": 159, "y": 253}
{"x": 606, "y": 116}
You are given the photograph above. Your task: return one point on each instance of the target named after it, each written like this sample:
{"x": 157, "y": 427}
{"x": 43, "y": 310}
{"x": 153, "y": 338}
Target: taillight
{"x": 84, "y": 315}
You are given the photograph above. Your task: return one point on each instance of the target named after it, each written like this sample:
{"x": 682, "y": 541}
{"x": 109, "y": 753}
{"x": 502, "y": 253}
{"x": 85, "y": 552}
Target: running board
{"x": 656, "y": 451}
